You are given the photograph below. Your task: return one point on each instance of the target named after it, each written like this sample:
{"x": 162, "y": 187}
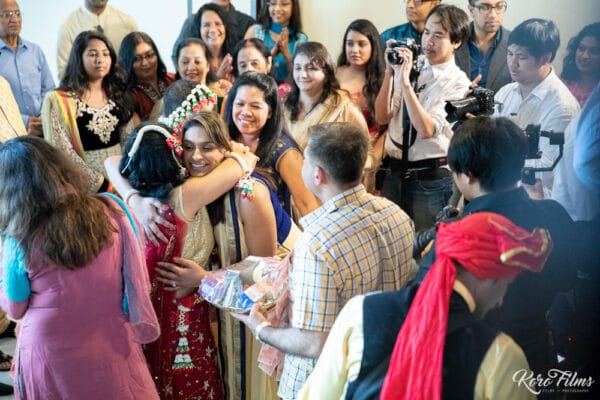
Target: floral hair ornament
{"x": 199, "y": 99}
{"x": 172, "y": 141}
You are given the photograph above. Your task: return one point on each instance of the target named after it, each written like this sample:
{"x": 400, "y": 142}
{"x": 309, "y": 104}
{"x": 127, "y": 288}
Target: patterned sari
{"x": 183, "y": 361}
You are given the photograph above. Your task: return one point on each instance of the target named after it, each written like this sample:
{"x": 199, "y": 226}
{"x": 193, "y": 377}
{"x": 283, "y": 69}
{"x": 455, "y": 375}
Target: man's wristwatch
{"x": 259, "y": 329}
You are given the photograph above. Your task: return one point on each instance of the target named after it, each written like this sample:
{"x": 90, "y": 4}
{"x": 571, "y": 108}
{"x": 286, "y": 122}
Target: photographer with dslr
{"x": 412, "y": 103}
{"x": 486, "y": 156}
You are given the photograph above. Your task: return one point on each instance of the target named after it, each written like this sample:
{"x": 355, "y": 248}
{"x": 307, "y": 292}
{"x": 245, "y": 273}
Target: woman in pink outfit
{"x": 74, "y": 273}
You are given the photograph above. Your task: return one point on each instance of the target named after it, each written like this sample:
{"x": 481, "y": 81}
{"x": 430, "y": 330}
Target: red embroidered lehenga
{"x": 183, "y": 361}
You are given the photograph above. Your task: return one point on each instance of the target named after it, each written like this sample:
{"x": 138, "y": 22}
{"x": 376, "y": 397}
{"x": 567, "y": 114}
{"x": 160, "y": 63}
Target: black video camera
{"x": 479, "y": 102}
{"x": 423, "y": 237}
{"x": 533, "y": 134}
{"x": 410, "y": 44}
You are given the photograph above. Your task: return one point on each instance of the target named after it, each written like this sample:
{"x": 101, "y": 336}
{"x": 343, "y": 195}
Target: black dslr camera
{"x": 410, "y": 44}
{"x": 479, "y": 101}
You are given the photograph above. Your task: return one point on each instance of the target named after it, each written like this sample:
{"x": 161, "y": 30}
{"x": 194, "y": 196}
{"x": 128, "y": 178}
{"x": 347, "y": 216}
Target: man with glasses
{"x": 484, "y": 53}
{"x": 416, "y": 12}
{"x": 24, "y": 66}
{"x": 93, "y": 15}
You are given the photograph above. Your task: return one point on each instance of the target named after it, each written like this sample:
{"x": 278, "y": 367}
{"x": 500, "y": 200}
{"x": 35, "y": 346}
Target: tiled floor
{"x": 7, "y": 346}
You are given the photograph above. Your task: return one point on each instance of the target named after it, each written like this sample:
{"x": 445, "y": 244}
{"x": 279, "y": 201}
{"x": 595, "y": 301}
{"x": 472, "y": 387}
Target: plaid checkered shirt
{"x": 353, "y": 244}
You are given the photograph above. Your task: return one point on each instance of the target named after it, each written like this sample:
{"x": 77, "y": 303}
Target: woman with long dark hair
{"x": 78, "y": 281}
{"x": 90, "y": 114}
{"x": 581, "y": 66}
{"x": 241, "y": 226}
{"x": 316, "y": 97}
{"x": 360, "y": 71}
{"x": 254, "y": 116}
{"x": 280, "y": 27}
{"x": 184, "y": 360}
{"x": 212, "y": 24}
{"x": 147, "y": 76}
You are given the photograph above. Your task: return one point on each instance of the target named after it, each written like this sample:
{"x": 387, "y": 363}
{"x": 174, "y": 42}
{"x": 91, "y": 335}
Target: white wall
{"x": 161, "y": 19}
{"x": 324, "y": 20}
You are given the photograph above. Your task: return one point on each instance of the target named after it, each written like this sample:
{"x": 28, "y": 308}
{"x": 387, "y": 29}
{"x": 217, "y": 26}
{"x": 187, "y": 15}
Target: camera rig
{"x": 533, "y": 134}
{"x": 451, "y": 213}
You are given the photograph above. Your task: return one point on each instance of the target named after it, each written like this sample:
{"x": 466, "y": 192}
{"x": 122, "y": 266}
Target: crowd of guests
{"x": 144, "y": 182}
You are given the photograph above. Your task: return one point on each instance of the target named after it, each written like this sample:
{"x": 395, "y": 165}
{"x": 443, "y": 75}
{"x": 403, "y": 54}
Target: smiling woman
{"x": 581, "y": 66}
{"x": 316, "y": 96}
{"x": 212, "y": 24}
{"x": 241, "y": 226}
{"x": 280, "y": 27}
{"x": 254, "y": 116}
{"x": 192, "y": 56}
{"x": 148, "y": 78}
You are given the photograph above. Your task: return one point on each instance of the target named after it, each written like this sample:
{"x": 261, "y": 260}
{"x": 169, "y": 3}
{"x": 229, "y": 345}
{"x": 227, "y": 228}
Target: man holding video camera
{"x": 537, "y": 95}
{"x": 412, "y": 103}
{"x": 486, "y": 156}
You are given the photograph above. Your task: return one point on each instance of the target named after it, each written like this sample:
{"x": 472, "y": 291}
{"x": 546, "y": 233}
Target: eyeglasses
{"x": 280, "y": 3}
{"x": 9, "y": 14}
{"x": 418, "y": 2}
{"x": 486, "y": 8}
{"x": 99, "y": 28}
{"x": 148, "y": 56}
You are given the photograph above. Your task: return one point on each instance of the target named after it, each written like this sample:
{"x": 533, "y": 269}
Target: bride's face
{"x": 200, "y": 154}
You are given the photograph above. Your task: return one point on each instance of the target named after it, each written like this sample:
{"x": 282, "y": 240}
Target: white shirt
{"x": 115, "y": 25}
{"x": 550, "y": 104}
{"x": 435, "y": 85}
{"x": 580, "y": 202}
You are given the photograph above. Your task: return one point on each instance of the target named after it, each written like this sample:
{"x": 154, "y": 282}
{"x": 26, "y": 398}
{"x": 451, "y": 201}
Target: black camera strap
{"x": 409, "y": 135}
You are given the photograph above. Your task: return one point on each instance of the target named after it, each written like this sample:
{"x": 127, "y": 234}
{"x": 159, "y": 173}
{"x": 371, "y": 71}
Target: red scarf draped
{"x": 489, "y": 246}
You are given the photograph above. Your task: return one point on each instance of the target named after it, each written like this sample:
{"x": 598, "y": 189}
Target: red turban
{"x": 489, "y": 246}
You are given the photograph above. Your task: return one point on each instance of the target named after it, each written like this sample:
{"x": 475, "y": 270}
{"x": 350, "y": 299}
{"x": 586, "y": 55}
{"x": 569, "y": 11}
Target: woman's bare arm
{"x": 258, "y": 218}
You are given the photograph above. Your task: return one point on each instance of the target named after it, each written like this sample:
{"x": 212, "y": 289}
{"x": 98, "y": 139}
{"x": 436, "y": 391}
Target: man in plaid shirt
{"x": 353, "y": 244}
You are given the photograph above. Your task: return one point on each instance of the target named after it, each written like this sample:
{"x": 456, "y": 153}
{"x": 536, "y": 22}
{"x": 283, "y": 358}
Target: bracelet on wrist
{"x": 129, "y": 195}
{"x": 259, "y": 329}
{"x": 240, "y": 161}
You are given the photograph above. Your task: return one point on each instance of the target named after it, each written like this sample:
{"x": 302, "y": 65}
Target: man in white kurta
{"x": 93, "y": 15}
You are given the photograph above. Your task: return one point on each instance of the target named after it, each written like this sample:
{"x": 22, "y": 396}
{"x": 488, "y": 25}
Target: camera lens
{"x": 394, "y": 58}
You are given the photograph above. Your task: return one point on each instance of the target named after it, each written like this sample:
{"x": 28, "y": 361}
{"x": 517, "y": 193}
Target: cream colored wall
{"x": 326, "y": 21}
{"x": 161, "y": 19}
